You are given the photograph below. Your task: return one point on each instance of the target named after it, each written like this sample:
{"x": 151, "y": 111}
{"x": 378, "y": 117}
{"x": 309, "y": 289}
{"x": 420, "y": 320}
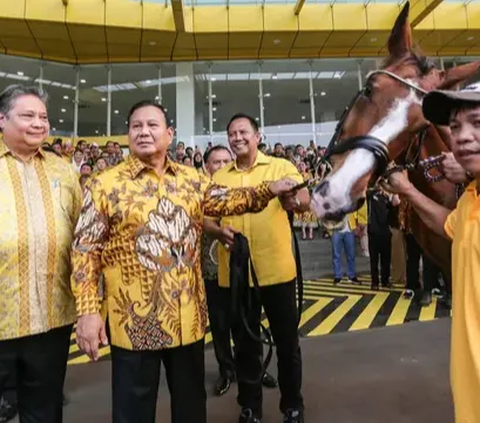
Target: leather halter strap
{"x": 376, "y": 146}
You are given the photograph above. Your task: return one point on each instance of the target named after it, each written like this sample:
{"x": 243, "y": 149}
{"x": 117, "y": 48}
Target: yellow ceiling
{"x": 112, "y": 31}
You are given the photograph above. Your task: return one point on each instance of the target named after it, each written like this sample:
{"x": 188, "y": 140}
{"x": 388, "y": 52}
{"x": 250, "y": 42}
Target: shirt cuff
{"x": 264, "y": 190}
{"x": 88, "y": 304}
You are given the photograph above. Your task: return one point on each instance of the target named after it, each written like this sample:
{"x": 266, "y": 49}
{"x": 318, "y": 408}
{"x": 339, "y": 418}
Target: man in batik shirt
{"x": 41, "y": 199}
{"x": 141, "y": 225}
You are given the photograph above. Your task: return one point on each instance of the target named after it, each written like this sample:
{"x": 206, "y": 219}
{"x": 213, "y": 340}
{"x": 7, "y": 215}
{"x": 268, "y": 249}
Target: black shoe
{"x": 355, "y": 281}
{"x": 8, "y": 410}
{"x": 386, "y": 284}
{"x": 293, "y": 416}
{"x": 426, "y": 299}
{"x": 269, "y": 381}
{"x": 336, "y": 281}
{"x": 374, "y": 287}
{"x": 248, "y": 416}
{"x": 408, "y": 294}
{"x": 446, "y": 301}
{"x": 222, "y": 385}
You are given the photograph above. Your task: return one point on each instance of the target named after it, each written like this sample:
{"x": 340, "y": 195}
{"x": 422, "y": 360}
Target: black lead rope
{"x": 243, "y": 313}
{"x": 241, "y": 268}
{"x": 298, "y": 265}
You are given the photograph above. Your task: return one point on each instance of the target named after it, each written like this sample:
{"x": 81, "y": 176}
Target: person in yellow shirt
{"x": 461, "y": 111}
{"x": 306, "y": 218}
{"x": 41, "y": 199}
{"x": 141, "y": 226}
{"x": 218, "y": 300}
{"x": 270, "y": 240}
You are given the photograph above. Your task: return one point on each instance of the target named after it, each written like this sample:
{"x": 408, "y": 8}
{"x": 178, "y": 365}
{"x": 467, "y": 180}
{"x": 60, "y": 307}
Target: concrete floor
{"x": 387, "y": 375}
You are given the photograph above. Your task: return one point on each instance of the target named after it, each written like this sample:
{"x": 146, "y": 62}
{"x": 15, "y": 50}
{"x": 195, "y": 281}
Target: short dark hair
{"x": 86, "y": 164}
{"x": 209, "y": 152}
{"x": 236, "y": 116}
{"x": 462, "y": 106}
{"x": 262, "y": 145}
{"x": 278, "y": 144}
{"x": 108, "y": 143}
{"x": 146, "y": 103}
{"x": 12, "y": 92}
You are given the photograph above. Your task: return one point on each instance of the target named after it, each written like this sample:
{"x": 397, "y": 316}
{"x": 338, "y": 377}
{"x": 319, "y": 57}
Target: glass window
{"x": 201, "y": 75}
{"x": 131, "y": 83}
{"x": 92, "y": 108}
{"x": 17, "y": 70}
{"x": 234, "y": 90}
{"x": 59, "y": 82}
{"x": 286, "y": 102}
{"x": 168, "y": 90}
{"x": 335, "y": 83}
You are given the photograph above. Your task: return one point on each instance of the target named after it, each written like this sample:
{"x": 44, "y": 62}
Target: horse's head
{"x": 381, "y": 121}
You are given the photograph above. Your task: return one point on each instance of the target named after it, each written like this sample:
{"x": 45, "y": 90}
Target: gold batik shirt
{"x": 40, "y": 201}
{"x": 143, "y": 232}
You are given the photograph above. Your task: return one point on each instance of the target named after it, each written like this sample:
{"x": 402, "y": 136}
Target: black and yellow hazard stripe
{"x": 342, "y": 308}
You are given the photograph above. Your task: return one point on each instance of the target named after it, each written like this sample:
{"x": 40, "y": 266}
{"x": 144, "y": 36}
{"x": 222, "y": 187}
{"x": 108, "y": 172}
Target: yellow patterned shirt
{"x": 143, "y": 232}
{"x": 40, "y": 201}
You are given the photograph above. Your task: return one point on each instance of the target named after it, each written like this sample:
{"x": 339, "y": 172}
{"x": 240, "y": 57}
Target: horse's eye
{"x": 367, "y": 91}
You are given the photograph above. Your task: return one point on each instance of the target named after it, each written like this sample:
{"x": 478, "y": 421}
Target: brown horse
{"x": 387, "y": 117}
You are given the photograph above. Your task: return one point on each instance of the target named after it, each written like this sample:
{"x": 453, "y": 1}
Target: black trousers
{"x": 414, "y": 253}
{"x": 279, "y": 303}
{"x": 380, "y": 249}
{"x": 431, "y": 272}
{"x": 219, "y": 303}
{"x": 39, "y": 364}
{"x": 135, "y": 379}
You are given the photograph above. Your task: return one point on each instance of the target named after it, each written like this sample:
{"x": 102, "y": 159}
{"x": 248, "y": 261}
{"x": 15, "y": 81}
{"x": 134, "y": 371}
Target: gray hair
{"x": 13, "y": 92}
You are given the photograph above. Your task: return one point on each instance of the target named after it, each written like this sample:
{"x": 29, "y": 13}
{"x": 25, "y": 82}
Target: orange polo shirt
{"x": 268, "y": 232}
{"x": 463, "y": 227}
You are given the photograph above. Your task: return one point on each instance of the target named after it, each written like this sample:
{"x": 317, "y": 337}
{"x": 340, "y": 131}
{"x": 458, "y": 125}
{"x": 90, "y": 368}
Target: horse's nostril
{"x": 326, "y": 206}
{"x": 323, "y": 189}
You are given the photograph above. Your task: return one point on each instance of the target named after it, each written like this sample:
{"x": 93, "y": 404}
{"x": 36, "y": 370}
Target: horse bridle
{"x": 367, "y": 142}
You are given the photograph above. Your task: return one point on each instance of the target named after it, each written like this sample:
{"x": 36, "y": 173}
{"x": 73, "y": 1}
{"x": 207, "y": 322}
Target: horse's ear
{"x": 454, "y": 76}
{"x": 400, "y": 41}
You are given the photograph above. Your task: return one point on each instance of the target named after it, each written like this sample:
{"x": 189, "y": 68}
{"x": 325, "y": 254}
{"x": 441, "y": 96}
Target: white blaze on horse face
{"x": 359, "y": 162}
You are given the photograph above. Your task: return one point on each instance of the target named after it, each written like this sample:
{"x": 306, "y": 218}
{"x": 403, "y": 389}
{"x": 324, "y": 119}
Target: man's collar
{"x": 261, "y": 159}
{"x": 136, "y": 166}
{"x": 472, "y": 188}
{"x": 4, "y": 150}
